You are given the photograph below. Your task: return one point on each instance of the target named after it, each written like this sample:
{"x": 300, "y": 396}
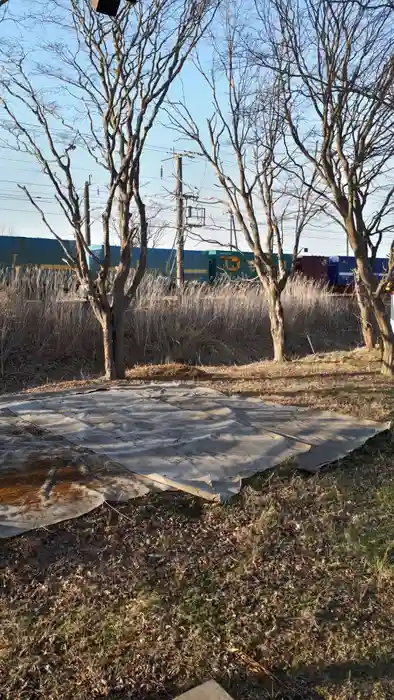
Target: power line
{"x": 147, "y": 147}
{"x": 64, "y": 132}
{"x": 31, "y": 211}
{"x": 161, "y": 149}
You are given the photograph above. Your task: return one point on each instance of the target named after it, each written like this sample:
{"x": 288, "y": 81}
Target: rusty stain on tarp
{"x": 44, "y": 479}
{"x": 61, "y": 456}
{"x": 48, "y": 478}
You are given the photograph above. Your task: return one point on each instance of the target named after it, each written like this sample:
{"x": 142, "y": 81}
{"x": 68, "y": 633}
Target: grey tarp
{"x": 158, "y": 435}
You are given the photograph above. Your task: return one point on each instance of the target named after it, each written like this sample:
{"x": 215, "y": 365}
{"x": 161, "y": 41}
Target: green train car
{"x": 236, "y": 264}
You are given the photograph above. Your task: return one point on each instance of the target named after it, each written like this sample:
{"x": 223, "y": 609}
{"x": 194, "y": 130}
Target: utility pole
{"x": 86, "y": 200}
{"x": 180, "y": 215}
{"x": 233, "y": 231}
{"x": 180, "y": 241}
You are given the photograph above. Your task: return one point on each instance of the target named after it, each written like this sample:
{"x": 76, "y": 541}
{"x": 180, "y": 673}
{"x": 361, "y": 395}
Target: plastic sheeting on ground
{"x": 63, "y": 455}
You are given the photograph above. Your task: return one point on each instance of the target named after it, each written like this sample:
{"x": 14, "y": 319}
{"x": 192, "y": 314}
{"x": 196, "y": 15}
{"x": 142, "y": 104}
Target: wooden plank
{"x": 207, "y": 691}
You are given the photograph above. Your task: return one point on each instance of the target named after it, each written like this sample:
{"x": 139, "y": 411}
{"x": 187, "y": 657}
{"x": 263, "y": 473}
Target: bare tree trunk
{"x": 109, "y": 364}
{"x": 381, "y": 317}
{"x": 277, "y": 325}
{"x": 113, "y": 341}
{"x": 386, "y": 336}
{"x": 118, "y": 344}
{"x": 365, "y": 307}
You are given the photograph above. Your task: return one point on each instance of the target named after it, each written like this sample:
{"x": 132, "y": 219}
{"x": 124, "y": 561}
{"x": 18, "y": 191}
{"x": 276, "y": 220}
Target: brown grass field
{"x": 285, "y": 593}
{"x": 42, "y": 336}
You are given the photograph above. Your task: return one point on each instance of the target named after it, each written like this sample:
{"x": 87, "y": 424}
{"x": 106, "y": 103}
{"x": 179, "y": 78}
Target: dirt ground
{"x": 285, "y": 593}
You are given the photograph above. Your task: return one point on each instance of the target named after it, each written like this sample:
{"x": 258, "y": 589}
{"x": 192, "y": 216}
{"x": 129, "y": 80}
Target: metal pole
{"x": 87, "y": 213}
{"x": 179, "y": 223}
{"x": 235, "y": 232}
{"x": 231, "y": 229}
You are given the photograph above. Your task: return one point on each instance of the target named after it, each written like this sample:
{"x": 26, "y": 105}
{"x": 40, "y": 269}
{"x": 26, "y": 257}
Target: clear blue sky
{"x": 18, "y": 217}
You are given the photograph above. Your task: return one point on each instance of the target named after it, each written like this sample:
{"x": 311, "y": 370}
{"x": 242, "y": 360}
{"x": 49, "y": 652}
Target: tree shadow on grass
{"x": 328, "y": 398}
{"x": 364, "y": 671}
{"x": 206, "y": 375}
{"x": 304, "y": 683}
{"x": 79, "y": 542}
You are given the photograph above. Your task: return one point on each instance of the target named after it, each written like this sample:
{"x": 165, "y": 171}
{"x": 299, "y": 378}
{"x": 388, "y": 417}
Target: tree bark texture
{"x": 277, "y": 325}
{"x": 381, "y": 315}
{"x": 113, "y": 342}
{"x": 366, "y": 315}
{"x": 109, "y": 365}
{"x": 386, "y": 336}
{"x": 118, "y": 345}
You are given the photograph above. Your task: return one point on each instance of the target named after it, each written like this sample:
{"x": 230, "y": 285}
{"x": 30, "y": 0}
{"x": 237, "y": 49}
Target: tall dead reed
{"x": 43, "y": 332}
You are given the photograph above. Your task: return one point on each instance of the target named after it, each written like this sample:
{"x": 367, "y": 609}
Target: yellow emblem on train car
{"x": 231, "y": 262}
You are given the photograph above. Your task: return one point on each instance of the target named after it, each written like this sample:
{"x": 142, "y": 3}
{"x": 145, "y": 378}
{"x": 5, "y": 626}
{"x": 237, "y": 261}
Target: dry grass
{"x": 42, "y": 338}
{"x": 286, "y": 593}
{"x": 346, "y": 382}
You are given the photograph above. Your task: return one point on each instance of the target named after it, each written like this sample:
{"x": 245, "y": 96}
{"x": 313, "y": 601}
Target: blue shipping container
{"x": 196, "y": 265}
{"x": 161, "y": 261}
{"x": 16, "y": 251}
{"x": 157, "y": 259}
{"x": 341, "y": 269}
{"x": 380, "y": 267}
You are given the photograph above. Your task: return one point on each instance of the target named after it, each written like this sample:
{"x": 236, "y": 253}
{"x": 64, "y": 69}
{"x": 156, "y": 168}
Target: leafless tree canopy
{"x": 337, "y": 76}
{"x": 336, "y": 70}
{"x": 245, "y": 143}
{"x": 101, "y": 82}
{"x": 388, "y": 5}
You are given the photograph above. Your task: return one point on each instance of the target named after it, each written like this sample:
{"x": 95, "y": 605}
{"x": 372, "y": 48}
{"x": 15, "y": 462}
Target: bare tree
{"x": 157, "y": 223}
{"x": 335, "y": 66}
{"x": 109, "y": 78}
{"x": 259, "y": 190}
{"x": 389, "y": 4}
